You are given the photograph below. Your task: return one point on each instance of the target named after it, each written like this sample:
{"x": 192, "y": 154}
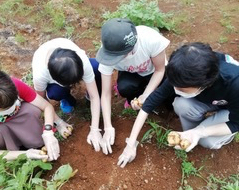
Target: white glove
{"x": 52, "y": 145}
{"x": 128, "y": 154}
{"x": 35, "y": 154}
{"x": 94, "y": 138}
{"x": 193, "y": 136}
{"x": 63, "y": 128}
{"x": 137, "y": 103}
{"x": 108, "y": 140}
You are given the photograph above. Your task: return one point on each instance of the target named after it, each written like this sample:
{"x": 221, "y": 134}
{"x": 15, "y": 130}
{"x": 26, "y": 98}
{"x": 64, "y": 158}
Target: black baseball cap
{"x": 118, "y": 38}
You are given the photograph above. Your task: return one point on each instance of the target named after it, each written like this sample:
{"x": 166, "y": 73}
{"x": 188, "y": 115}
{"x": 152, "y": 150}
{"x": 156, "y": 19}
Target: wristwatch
{"x": 47, "y": 127}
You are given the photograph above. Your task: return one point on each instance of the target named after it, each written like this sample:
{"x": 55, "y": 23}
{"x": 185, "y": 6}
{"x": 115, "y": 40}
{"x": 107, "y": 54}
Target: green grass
{"x": 129, "y": 112}
{"x": 223, "y": 39}
{"x": 226, "y": 22}
{"x": 28, "y": 78}
{"x": 236, "y": 138}
{"x": 49, "y": 17}
{"x": 226, "y": 183}
{"x": 20, "y": 38}
{"x": 69, "y": 31}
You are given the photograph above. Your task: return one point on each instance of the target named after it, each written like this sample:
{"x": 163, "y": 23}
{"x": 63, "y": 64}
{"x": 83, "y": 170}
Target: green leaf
{"x": 38, "y": 187}
{"x": 37, "y": 181}
{"x": 63, "y": 173}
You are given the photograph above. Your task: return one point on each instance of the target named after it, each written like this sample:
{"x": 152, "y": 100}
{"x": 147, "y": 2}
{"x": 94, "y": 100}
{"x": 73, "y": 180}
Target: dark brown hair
{"x": 8, "y": 91}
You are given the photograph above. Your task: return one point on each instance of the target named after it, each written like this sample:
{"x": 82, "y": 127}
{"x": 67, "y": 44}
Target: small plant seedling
{"x": 129, "y": 112}
{"x": 158, "y": 132}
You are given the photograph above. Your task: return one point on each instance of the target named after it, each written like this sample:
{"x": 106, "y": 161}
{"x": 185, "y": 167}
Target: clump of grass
{"x": 28, "y": 78}
{"x": 69, "y": 31}
{"x": 56, "y": 15}
{"x": 236, "y": 138}
{"x": 223, "y": 39}
{"x": 226, "y": 22}
{"x": 142, "y": 12}
{"x": 158, "y": 133}
{"x": 188, "y": 169}
{"x": 229, "y": 183}
{"x": 20, "y": 38}
{"x": 129, "y": 112}
{"x": 97, "y": 44}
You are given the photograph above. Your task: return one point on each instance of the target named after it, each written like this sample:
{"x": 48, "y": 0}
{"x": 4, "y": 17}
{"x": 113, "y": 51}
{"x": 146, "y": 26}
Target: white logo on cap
{"x": 130, "y": 39}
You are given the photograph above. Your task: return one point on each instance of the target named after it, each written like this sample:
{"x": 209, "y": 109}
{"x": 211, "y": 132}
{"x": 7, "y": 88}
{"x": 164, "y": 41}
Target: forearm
{"x": 106, "y": 109}
{"x": 154, "y": 82}
{"x": 138, "y": 124}
{"x": 49, "y": 115}
{"x": 214, "y": 130}
{"x": 42, "y": 94}
{"x": 95, "y": 111}
{"x": 12, "y": 155}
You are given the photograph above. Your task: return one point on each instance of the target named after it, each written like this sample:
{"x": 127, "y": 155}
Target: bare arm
{"x": 106, "y": 99}
{"x": 42, "y": 93}
{"x": 30, "y": 153}
{"x": 138, "y": 124}
{"x": 214, "y": 130}
{"x": 159, "y": 64}
{"x": 12, "y": 155}
{"x": 94, "y": 103}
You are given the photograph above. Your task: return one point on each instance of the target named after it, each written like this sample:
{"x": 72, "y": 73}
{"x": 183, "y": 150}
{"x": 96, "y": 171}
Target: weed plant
{"x": 156, "y": 132}
{"x": 25, "y": 174}
{"x": 129, "y": 112}
{"x": 188, "y": 169}
{"x": 142, "y": 12}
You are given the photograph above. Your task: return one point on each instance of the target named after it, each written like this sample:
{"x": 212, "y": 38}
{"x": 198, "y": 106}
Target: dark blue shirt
{"x": 224, "y": 93}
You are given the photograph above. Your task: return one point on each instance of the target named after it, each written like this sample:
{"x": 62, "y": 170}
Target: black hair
{"x": 8, "y": 91}
{"x": 65, "y": 67}
{"x": 193, "y": 65}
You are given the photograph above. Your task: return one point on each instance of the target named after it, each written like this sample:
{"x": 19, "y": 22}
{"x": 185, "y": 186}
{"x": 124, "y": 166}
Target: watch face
{"x": 48, "y": 127}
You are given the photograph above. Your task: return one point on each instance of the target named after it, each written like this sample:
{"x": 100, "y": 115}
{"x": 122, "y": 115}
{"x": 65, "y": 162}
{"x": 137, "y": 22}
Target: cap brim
{"x": 108, "y": 59}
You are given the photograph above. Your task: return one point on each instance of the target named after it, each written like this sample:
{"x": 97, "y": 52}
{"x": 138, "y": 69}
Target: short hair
{"x": 193, "y": 65}
{"x": 65, "y": 66}
{"x": 8, "y": 91}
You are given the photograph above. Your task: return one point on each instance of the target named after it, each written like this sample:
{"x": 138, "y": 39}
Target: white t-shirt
{"x": 149, "y": 44}
{"x": 41, "y": 74}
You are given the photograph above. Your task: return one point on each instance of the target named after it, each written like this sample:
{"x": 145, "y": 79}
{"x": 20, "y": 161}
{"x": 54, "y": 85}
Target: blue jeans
{"x": 191, "y": 113}
{"x": 58, "y": 93}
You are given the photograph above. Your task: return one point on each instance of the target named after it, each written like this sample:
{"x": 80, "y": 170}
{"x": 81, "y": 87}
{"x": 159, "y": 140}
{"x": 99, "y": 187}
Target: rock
{"x": 84, "y": 23}
{"x": 125, "y": 186}
{"x": 146, "y": 181}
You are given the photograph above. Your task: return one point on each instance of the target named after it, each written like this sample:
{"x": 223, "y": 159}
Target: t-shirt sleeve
{"x": 88, "y": 75}
{"x": 40, "y": 73}
{"x": 106, "y": 70}
{"x": 25, "y": 92}
{"x": 155, "y": 43}
{"x": 157, "y": 97}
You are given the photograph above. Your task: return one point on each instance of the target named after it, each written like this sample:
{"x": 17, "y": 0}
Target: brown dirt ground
{"x": 153, "y": 168}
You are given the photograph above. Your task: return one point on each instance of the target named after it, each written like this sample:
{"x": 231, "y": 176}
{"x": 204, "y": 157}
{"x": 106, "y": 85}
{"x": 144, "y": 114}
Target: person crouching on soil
{"x": 138, "y": 53}
{"x": 57, "y": 65}
{"x": 205, "y": 81}
{"x": 20, "y": 122}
